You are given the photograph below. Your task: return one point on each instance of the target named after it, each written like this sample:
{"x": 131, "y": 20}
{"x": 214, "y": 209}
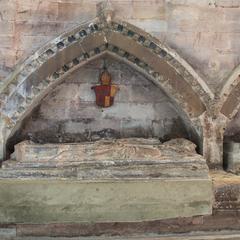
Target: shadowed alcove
{"x": 69, "y": 112}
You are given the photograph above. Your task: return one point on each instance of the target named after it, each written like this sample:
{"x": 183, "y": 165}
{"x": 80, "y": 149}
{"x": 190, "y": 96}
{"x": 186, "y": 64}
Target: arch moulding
{"x": 41, "y": 72}
{"x": 229, "y": 103}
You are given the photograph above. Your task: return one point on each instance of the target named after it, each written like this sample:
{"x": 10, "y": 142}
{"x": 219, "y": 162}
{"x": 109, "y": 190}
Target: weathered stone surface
{"x": 132, "y": 158}
{"x": 45, "y": 201}
{"x": 223, "y": 221}
{"x": 213, "y": 132}
{"x": 117, "y": 180}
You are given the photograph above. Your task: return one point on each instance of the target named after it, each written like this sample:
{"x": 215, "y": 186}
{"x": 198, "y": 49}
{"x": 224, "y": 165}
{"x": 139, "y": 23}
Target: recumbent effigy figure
{"x": 108, "y": 158}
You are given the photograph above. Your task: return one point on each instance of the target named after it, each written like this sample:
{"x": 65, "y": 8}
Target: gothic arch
{"x": 38, "y": 74}
{"x": 229, "y": 103}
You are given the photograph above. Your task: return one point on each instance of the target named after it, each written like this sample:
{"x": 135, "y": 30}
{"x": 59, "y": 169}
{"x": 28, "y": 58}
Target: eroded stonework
{"x": 130, "y": 158}
{"x": 109, "y": 180}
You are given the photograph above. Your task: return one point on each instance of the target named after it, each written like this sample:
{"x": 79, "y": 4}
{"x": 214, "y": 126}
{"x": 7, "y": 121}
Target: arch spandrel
{"x": 43, "y": 70}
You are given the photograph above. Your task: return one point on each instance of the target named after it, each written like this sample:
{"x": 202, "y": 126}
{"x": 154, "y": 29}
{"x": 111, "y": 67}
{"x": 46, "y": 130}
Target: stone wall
{"x": 69, "y": 112}
{"x": 205, "y": 33}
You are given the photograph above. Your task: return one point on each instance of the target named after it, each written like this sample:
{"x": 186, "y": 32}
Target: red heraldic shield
{"x": 105, "y": 94}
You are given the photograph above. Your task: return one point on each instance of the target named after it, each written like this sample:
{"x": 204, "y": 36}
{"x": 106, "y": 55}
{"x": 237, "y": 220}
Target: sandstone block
{"x": 149, "y": 10}
{"x": 75, "y": 11}
{"x": 7, "y": 10}
{"x": 6, "y": 28}
{"x": 46, "y": 201}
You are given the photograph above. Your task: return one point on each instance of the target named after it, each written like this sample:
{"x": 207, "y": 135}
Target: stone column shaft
{"x": 213, "y": 132}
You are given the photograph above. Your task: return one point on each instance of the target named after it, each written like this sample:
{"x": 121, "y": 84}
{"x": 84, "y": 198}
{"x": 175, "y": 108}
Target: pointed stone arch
{"x": 229, "y": 102}
{"x": 225, "y": 107}
{"x": 47, "y": 67}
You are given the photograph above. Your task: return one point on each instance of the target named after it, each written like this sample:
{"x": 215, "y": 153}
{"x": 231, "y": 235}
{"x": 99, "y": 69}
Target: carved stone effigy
{"x": 119, "y": 158}
{"x": 130, "y": 179}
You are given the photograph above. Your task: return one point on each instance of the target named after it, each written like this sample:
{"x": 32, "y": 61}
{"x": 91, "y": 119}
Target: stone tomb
{"x": 110, "y": 180}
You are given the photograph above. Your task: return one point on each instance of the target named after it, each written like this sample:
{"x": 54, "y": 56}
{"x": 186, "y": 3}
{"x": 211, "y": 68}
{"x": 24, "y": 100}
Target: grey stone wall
{"x": 69, "y": 112}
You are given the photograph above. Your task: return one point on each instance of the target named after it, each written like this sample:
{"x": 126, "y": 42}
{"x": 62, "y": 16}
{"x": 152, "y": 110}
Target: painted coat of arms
{"x": 105, "y": 92}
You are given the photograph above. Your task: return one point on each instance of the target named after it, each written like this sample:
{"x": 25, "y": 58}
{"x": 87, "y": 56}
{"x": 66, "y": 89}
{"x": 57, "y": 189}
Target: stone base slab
{"x": 53, "y": 201}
